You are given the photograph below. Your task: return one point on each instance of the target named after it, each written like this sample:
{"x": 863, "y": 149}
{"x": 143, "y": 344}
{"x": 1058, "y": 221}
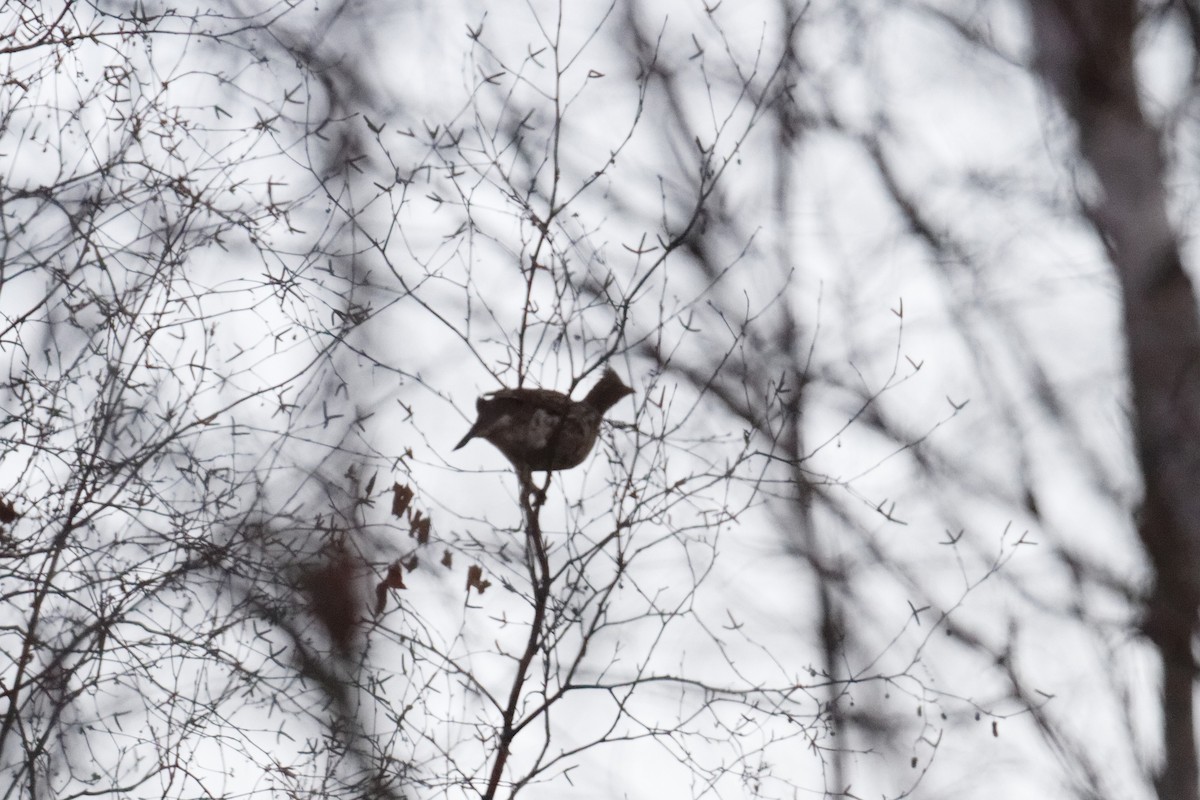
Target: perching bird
{"x": 543, "y": 430}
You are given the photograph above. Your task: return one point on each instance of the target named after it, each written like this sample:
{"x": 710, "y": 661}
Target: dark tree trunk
{"x": 1085, "y": 51}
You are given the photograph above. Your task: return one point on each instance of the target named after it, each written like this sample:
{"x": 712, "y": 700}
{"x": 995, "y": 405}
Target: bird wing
{"x": 548, "y": 399}
{"x": 504, "y": 406}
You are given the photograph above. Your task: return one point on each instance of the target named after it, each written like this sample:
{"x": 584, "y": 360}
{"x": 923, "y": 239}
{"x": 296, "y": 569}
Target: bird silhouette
{"x": 544, "y": 430}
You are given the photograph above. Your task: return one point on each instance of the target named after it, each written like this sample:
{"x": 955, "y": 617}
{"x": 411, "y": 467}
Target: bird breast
{"x": 544, "y": 440}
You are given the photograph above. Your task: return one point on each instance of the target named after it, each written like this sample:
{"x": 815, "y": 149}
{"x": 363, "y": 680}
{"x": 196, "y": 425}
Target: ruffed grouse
{"x": 543, "y": 430}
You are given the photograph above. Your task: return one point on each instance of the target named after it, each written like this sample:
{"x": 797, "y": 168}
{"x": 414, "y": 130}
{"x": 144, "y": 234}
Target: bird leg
{"x": 539, "y": 492}
{"x": 529, "y": 489}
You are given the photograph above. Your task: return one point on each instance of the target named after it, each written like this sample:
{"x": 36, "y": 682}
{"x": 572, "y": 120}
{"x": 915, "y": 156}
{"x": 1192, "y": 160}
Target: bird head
{"x": 607, "y": 391}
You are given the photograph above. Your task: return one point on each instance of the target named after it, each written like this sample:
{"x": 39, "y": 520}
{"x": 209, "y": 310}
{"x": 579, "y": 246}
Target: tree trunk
{"x": 1085, "y": 52}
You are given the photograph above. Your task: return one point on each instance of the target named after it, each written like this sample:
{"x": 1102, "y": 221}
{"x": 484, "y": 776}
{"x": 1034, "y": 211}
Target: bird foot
{"x": 531, "y": 494}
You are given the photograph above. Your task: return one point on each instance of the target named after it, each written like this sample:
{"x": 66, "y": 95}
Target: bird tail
{"x": 470, "y": 435}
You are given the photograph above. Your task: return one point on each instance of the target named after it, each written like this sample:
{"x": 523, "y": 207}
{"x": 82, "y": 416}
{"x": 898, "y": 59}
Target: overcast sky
{"x": 890, "y": 218}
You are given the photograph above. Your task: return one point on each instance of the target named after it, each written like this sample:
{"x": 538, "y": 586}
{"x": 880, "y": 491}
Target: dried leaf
{"x": 447, "y": 559}
{"x": 394, "y": 580}
{"x": 395, "y": 577}
{"x": 334, "y": 599}
{"x": 475, "y": 579}
{"x": 419, "y": 527}
{"x": 401, "y": 497}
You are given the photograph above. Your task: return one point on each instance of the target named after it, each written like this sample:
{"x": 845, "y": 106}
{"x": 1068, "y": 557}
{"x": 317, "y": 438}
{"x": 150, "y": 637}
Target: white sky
{"x": 970, "y": 136}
